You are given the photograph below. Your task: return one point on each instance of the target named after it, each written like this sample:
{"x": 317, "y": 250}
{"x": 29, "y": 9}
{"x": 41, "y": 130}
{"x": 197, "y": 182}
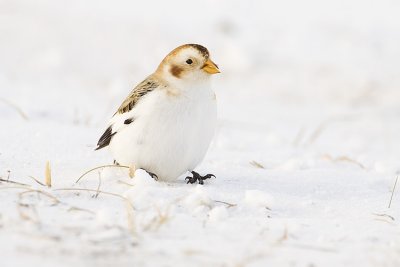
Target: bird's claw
{"x": 197, "y": 177}
{"x": 152, "y": 175}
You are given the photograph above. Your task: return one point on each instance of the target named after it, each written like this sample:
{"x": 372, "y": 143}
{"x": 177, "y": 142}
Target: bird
{"x": 167, "y": 122}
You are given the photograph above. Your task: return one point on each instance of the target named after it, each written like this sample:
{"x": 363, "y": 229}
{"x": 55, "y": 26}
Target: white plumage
{"x": 167, "y": 129}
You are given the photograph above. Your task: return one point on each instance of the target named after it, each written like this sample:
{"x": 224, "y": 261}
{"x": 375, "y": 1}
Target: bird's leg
{"x": 197, "y": 177}
{"x": 154, "y": 176}
{"x": 116, "y": 163}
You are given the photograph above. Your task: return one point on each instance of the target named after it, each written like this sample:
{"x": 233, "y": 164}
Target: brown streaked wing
{"x": 142, "y": 89}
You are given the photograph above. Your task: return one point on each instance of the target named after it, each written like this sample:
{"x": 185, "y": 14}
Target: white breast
{"x": 170, "y": 133}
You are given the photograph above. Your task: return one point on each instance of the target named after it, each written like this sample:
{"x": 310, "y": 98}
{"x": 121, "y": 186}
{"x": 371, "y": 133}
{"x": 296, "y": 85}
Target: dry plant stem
{"x": 394, "y": 188}
{"x": 12, "y": 182}
{"x": 15, "y": 187}
{"x": 16, "y": 108}
{"x": 47, "y": 174}
{"x": 98, "y": 187}
{"x": 129, "y": 206}
{"x": 37, "y": 181}
{"x": 159, "y": 220}
{"x": 100, "y": 167}
{"x": 125, "y": 183}
{"x": 130, "y": 217}
{"x": 95, "y": 191}
{"x": 299, "y": 137}
{"x": 230, "y": 205}
{"x": 322, "y": 127}
{"x": 33, "y": 217}
{"x": 284, "y": 237}
{"x": 257, "y": 164}
{"x": 56, "y": 201}
{"x": 73, "y": 208}
{"x": 344, "y": 158}
{"x": 132, "y": 170}
{"x": 384, "y": 215}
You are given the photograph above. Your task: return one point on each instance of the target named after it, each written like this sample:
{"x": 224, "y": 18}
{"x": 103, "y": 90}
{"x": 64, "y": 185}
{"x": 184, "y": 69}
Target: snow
{"x": 306, "y": 152}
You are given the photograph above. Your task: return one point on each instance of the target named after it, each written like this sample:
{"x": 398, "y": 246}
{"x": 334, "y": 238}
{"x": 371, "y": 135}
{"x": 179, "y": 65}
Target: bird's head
{"x": 188, "y": 63}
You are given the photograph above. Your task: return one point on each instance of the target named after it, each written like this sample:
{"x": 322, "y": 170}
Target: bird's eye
{"x": 189, "y": 61}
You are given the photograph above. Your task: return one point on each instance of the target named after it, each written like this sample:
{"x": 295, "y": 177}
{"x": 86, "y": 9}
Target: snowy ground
{"x": 306, "y": 153}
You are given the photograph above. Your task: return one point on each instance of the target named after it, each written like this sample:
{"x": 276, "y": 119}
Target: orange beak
{"x": 210, "y": 67}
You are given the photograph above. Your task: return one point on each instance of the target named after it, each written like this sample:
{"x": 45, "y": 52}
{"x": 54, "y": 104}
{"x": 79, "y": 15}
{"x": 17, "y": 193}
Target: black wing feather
{"x": 137, "y": 93}
{"x": 105, "y": 139}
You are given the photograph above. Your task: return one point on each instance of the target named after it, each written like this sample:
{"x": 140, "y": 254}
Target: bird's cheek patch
{"x": 176, "y": 71}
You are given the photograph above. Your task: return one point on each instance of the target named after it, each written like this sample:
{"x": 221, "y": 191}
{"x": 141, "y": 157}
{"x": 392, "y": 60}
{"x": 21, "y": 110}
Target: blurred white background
{"x": 62, "y": 54}
{"x": 309, "y": 90}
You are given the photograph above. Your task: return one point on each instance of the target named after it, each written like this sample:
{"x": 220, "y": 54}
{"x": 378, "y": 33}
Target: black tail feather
{"x": 105, "y": 139}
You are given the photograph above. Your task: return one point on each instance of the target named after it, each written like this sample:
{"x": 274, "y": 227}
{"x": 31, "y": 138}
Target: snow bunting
{"x": 167, "y": 122}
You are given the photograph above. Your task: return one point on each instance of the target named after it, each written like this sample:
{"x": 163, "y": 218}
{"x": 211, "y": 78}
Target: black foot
{"x": 197, "y": 177}
{"x": 116, "y": 163}
{"x": 154, "y": 176}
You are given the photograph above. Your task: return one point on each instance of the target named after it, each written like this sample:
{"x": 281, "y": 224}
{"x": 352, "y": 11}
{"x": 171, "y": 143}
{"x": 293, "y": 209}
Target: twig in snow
{"x": 56, "y": 200}
{"x": 92, "y": 190}
{"x": 230, "y": 205}
{"x": 15, "y": 187}
{"x": 130, "y": 218}
{"x": 73, "y": 208}
{"x": 322, "y": 127}
{"x": 257, "y": 164}
{"x": 129, "y": 207}
{"x": 21, "y": 205}
{"x": 16, "y": 108}
{"x": 47, "y": 174}
{"x": 299, "y": 137}
{"x": 100, "y": 167}
{"x": 284, "y": 236}
{"x": 37, "y": 181}
{"x": 124, "y": 183}
{"x": 98, "y": 187}
{"x": 12, "y": 182}
{"x": 317, "y": 132}
{"x": 394, "y": 188}
{"x": 132, "y": 170}
{"x": 34, "y": 217}
{"x": 384, "y": 215}
{"x": 158, "y": 221}
{"x": 344, "y": 158}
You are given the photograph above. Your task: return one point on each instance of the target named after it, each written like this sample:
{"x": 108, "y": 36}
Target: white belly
{"x": 169, "y": 135}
